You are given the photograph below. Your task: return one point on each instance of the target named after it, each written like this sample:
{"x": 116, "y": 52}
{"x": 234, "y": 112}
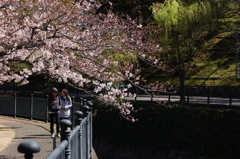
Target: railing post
{"x": 86, "y": 109}
{"x": 65, "y": 135}
{"x": 72, "y": 110}
{"x": 136, "y": 94}
{"x": 46, "y": 114}
{"x": 208, "y": 97}
{"x": 85, "y": 106}
{"x": 29, "y": 148}
{"x": 31, "y": 107}
{"x": 81, "y": 104}
{"x": 73, "y": 99}
{"x": 15, "y": 105}
{"x": 81, "y": 101}
{"x": 90, "y": 126}
{"x": 230, "y": 98}
{"x": 79, "y": 119}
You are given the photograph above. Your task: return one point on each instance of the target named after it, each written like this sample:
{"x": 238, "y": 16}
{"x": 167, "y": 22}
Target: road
{"x": 192, "y": 99}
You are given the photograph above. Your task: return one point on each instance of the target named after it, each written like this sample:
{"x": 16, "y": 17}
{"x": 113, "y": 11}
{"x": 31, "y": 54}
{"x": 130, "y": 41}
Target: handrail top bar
{"x": 74, "y": 131}
{"x": 58, "y": 150}
{"x": 84, "y": 120}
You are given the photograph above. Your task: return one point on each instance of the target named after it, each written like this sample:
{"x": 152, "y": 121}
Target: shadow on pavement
{"x": 6, "y": 157}
{"x": 43, "y": 127}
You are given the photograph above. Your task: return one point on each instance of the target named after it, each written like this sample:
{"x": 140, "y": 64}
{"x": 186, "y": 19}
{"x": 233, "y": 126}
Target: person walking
{"x": 66, "y": 104}
{"x": 53, "y": 110}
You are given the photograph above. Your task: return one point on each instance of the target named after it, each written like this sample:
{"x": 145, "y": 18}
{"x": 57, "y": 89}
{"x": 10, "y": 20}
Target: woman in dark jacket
{"x": 53, "y": 110}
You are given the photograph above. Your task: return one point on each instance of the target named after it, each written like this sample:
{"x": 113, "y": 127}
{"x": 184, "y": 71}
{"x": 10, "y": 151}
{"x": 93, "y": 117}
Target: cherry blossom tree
{"x": 70, "y": 43}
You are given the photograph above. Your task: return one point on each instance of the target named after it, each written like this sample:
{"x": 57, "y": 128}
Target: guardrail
{"x": 207, "y": 95}
{"x": 76, "y": 144}
{"x": 76, "y": 135}
{"x": 33, "y": 108}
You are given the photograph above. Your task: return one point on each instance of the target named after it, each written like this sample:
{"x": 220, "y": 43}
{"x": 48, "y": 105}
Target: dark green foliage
{"x": 137, "y": 9}
{"x": 205, "y": 132}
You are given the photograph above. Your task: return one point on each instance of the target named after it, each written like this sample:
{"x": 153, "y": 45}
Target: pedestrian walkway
{"x": 7, "y": 134}
{"x": 17, "y": 130}
{"x": 14, "y": 131}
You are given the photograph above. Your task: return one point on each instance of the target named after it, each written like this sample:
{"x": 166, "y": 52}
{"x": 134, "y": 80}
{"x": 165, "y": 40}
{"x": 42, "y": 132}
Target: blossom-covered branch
{"x": 71, "y": 43}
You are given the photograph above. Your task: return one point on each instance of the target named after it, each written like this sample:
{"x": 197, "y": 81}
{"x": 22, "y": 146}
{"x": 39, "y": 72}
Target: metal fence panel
{"x": 90, "y": 132}
{"x": 74, "y": 143}
{"x": 39, "y": 108}
{"x": 23, "y": 106}
{"x": 84, "y": 139}
{"x": 7, "y": 105}
{"x": 88, "y": 136}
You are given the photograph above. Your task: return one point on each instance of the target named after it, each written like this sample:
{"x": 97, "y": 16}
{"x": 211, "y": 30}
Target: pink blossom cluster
{"x": 67, "y": 40}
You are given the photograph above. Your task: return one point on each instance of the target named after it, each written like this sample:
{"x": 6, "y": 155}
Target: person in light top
{"x": 53, "y": 110}
{"x": 66, "y": 104}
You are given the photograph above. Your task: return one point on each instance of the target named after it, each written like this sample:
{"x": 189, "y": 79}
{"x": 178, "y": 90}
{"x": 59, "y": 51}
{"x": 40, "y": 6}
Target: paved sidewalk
{"x": 14, "y": 131}
{"x": 7, "y": 134}
{"x": 21, "y": 130}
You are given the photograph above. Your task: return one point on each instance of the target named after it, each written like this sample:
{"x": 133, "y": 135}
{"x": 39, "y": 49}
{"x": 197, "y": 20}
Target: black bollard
{"x": 65, "y": 135}
{"x": 29, "y": 148}
{"x": 81, "y": 108}
{"x": 89, "y": 108}
{"x": 79, "y": 115}
{"x": 84, "y": 102}
{"x": 86, "y": 110}
{"x": 65, "y": 124}
{"x": 89, "y": 103}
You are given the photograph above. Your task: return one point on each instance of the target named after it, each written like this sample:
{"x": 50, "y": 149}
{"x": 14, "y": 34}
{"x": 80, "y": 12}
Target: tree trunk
{"x": 182, "y": 86}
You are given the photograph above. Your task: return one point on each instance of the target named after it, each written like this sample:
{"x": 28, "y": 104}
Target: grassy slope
{"x": 216, "y": 66}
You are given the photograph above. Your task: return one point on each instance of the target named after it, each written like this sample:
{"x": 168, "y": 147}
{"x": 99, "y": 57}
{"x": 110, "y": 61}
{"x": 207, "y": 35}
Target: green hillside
{"x": 200, "y": 42}
{"x": 215, "y": 66}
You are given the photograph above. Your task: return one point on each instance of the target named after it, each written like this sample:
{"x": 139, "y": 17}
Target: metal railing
{"x": 26, "y": 107}
{"x": 76, "y": 135}
{"x": 76, "y": 144}
{"x": 33, "y": 108}
{"x": 207, "y": 95}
